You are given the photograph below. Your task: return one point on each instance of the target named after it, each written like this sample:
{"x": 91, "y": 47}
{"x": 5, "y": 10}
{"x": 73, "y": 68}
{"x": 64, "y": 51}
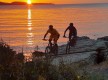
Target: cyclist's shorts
{"x": 54, "y": 37}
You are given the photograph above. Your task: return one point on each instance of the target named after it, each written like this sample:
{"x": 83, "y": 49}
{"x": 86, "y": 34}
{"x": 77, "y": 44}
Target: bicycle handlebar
{"x": 45, "y": 39}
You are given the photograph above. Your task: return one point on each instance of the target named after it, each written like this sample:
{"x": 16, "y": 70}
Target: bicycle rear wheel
{"x": 67, "y": 48}
{"x": 55, "y": 50}
{"x": 48, "y": 52}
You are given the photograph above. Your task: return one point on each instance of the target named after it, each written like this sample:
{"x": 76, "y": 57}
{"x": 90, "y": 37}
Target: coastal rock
{"x": 83, "y": 38}
{"x": 105, "y": 38}
{"x": 83, "y": 50}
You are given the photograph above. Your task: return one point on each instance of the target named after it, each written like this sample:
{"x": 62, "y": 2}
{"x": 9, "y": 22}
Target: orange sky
{"x": 61, "y": 1}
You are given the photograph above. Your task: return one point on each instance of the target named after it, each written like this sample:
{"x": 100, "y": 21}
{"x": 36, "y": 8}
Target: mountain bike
{"x": 51, "y": 49}
{"x": 70, "y": 43}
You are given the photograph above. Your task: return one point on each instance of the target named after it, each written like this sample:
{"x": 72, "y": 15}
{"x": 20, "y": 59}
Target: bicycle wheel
{"x": 47, "y": 52}
{"x": 55, "y": 50}
{"x": 67, "y": 48}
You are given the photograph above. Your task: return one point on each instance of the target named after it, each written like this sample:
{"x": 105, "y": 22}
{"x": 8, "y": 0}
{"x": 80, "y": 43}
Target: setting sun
{"x": 29, "y": 1}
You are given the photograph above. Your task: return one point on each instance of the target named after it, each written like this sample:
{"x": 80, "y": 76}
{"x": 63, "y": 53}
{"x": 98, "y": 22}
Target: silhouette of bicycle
{"x": 51, "y": 49}
{"x": 70, "y": 43}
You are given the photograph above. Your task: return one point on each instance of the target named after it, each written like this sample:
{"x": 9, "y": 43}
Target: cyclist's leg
{"x": 70, "y": 36}
{"x": 55, "y": 45}
{"x": 50, "y": 40}
{"x": 75, "y": 39}
{"x": 56, "y": 39}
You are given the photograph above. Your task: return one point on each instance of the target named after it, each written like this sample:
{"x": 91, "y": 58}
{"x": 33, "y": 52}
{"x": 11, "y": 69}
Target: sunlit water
{"x": 23, "y": 26}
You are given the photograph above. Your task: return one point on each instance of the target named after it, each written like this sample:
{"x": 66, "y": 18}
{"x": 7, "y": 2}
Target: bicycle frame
{"x": 70, "y": 43}
{"x": 51, "y": 49}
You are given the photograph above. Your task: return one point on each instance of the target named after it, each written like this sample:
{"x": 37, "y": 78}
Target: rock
{"x": 36, "y": 55}
{"x": 71, "y": 58}
{"x": 106, "y": 43}
{"x": 103, "y": 38}
{"x": 83, "y": 38}
{"x": 83, "y": 49}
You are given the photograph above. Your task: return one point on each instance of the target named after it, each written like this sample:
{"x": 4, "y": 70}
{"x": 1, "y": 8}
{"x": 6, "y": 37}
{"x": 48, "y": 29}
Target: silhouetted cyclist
{"x": 54, "y": 35}
{"x": 72, "y": 31}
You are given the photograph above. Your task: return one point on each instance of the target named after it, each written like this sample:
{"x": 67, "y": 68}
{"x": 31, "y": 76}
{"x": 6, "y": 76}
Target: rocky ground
{"x": 84, "y": 48}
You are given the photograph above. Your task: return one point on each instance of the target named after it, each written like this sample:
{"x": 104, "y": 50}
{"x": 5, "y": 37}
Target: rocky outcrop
{"x": 105, "y": 38}
{"x": 83, "y": 50}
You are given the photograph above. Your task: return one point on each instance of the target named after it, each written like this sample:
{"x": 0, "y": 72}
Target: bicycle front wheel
{"x": 47, "y": 52}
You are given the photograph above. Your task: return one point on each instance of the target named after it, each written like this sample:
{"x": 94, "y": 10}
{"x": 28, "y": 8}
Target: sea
{"x": 23, "y": 26}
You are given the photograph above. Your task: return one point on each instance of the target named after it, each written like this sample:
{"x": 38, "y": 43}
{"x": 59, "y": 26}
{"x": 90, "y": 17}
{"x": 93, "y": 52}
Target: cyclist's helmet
{"x": 71, "y": 24}
{"x": 50, "y": 26}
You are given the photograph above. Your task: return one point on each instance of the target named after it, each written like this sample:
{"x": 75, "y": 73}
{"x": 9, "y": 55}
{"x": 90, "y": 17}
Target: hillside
{"x": 24, "y": 3}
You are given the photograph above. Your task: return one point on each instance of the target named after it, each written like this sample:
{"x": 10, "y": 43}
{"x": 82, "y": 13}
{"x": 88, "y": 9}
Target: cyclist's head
{"x": 50, "y": 26}
{"x": 71, "y": 24}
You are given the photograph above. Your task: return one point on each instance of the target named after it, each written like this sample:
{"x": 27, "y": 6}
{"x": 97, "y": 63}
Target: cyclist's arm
{"x": 65, "y": 31}
{"x": 46, "y": 34}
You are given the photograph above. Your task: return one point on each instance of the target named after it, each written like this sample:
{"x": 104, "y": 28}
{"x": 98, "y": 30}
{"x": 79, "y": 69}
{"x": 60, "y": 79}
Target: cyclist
{"x": 54, "y": 35}
{"x": 72, "y": 31}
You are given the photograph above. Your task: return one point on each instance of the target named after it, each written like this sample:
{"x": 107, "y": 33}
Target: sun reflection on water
{"x": 30, "y": 35}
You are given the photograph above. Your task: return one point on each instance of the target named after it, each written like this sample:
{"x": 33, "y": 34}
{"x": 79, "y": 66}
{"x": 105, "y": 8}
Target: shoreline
{"x": 82, "y": 50}
{"x": 84, "y": 45}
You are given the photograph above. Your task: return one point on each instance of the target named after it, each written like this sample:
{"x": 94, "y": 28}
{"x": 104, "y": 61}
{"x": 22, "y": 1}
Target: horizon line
{"x": 51, "y": 3}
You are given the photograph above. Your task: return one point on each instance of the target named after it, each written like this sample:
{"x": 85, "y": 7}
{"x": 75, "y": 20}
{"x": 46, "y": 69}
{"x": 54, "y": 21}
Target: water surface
{"x": 23, "y": 26}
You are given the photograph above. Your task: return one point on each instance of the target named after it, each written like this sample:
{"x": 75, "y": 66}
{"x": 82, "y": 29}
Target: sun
{"x": 29, "y": 1}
